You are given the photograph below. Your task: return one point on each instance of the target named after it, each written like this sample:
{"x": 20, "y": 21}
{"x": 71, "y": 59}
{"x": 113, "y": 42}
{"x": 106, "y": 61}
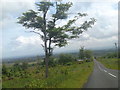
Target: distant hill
{"x": 102, "y": 52}
{"x": 75, "y": 53}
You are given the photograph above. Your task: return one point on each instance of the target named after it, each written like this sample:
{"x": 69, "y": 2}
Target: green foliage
{"x": 61, "y": 77}
{"x": 61, "y": 10}
{"x": 16, "y": 70}
{"x": 118, "y": 53}
{"x": 16, "y": 67}
{"x": 110, "y": 55}
{"x": 4, "y": 70}
{"x": 53, "y": 61}
{"x": 47, "y": 29}
{"x": 24, "y": 65}
{"x": 44, "y": 6}
{"x": 112, "y": 63}
{"x": 65, "y": 58}
{"x": 85, "y": 54}
{"x": 81, "y": 53}
{"x": 88, "y": 54}
{"x": 69, "y": 63}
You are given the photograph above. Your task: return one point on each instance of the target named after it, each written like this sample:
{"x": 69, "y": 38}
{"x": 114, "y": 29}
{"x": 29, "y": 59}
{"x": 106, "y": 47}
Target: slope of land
{"x": 74, "y": 75}
{"x": 111, "y": 63}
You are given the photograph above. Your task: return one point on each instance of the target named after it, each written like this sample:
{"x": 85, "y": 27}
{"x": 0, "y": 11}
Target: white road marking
{"x": 112, "y": 75}
{"x": 105, "y": 70}
{"x": 100, "y": 68}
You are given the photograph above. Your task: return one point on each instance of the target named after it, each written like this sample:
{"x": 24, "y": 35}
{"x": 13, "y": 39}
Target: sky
{"x": 16, "y": 41}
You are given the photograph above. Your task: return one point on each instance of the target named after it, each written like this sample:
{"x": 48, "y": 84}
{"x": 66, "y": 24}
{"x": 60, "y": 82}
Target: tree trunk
{"x": 46, "y": 60}
{"x": 45, "y": 43}
{"x": 46, "y": 65}
{"x": 49, "y": 48}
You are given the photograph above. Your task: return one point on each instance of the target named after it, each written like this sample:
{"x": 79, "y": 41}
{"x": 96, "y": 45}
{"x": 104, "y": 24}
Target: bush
{"x": 52, "y": 61}
{"x": 16, "y": 67}
{"x": 65, "y": 58}
{"x": 69, "y": 63}
{"x": 24, "y": 65}
{"x": 88, "y": 54}
{"x": 4, "y": 70}
{"x": 110, "y": 55}
{"x": 80, "y": 62}
{"x": 89, "y": 59}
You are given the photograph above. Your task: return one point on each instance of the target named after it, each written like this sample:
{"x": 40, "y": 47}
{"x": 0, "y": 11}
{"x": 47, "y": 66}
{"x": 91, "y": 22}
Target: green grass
{"x": 73, "y": 76}
{"x": 111, "y": 63}
{"x": 16, "y": 83}
{"x": 78, "y": 77}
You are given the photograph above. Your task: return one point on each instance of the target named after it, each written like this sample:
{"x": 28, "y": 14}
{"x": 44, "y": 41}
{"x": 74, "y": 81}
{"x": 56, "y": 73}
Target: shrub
{"x": 4, "y": 70}
{"x": 110, "y": 55}
{"x": 69, "y": 63}
{"x": 88, "y": 54}
{"x": 81, "y": 53}
{"x": 52, "y": 61}
{"x": 65, "y": 58}
{"x": 24, "y": 65}
{"x": 16, "y": 67}
{"x": 80, "y": 62}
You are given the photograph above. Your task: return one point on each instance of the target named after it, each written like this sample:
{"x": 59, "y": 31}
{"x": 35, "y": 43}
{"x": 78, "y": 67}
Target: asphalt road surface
{"x": 102, "y": 77}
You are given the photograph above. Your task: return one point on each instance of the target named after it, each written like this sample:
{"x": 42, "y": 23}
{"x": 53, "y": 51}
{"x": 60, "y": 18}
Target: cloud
{"x": 105, "y": 31}
{"x": 23, "y": 46}
{"x": 18, "y": 43}
{"x": 106, "y": 15}
{"x": 10, "y": 10}
{"x": 107, "y": 19}
{"x": 92, "y": 43}
{"x": 23, "y": 42}
{"x": 15, "y": 8}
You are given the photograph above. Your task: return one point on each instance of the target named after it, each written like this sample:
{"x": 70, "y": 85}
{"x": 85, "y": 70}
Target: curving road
{"x": 102, "y": 77}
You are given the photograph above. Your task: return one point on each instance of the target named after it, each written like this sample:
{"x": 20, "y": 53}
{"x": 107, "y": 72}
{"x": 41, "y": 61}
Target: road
{"x": 102, "y": 77}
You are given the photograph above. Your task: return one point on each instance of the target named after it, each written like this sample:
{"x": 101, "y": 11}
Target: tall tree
{"x": 88, "y": 54}
{"x": 116, "y": 50}
{"x": 81, "y": 53}
{"x": 46, "y": 27}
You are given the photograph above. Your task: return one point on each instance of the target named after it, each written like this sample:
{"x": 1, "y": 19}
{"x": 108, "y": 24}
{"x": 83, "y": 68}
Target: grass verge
{"x": 111, "y": 63}
{"x": 72, "y": 76}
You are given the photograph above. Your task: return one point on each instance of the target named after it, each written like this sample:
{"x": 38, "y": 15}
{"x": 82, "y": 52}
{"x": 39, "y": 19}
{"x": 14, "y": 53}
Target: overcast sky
{"x": 17, "y": 42}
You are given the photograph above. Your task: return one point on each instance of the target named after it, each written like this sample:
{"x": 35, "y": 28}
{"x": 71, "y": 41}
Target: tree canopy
{"x": 57, "y": 35}
{"x": 45, "y": 24}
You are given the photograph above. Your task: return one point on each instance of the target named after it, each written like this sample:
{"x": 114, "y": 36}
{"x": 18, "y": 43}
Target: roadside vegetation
{"x": 52, "y": 34}
{"x": 110, "y": 61}
{"x": 65, "y": 72}
{"x": 85, "y": 54}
